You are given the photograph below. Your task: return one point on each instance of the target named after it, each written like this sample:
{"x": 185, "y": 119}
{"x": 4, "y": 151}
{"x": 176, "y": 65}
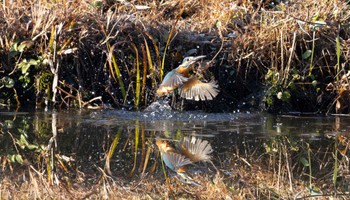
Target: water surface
{"x": 122, "y": 143}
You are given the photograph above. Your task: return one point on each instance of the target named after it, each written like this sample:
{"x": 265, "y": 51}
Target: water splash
{"x": 158, "y": 106}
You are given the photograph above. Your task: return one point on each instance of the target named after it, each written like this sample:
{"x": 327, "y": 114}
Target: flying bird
{"x": 189, "y": 84}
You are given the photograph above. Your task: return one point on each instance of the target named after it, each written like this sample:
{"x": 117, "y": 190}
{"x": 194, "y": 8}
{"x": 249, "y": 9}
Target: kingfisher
{"x": 190, "y": 87}
{"x": 188, "y": 151}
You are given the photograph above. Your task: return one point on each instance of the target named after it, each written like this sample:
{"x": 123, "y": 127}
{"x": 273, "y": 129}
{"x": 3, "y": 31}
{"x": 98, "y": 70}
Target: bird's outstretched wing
{"x": 196, "y": 90}
{"x": 170, "y": 82}
{"x": 195, "y": 149}
{"x": 175, "y": 161}
{"x": 173, "y": 79}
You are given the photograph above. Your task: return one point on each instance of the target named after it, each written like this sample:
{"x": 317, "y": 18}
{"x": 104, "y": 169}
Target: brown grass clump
{"x": 238, "y": 182}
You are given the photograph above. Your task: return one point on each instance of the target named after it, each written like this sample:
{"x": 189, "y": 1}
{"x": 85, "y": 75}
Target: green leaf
{"x": 33, "y": 62}
{"x": 22, "y": 141}
{"x": 314, "y": 190}
{"x": 12, "y": 158}
{"x": 14, "y": 46}
{"x": 286, "y": 96}
{"x": 304, "y": 161}
{"x": 24, "y": 66}
{"x": 19, "y": 159}
{"x": 32, "y": 146}
{"x": 21, "y": 47}
{"x": 306, "y": 54}
{"x": 40, "y": 148}
{"x": 294, "y": 148}
{"x": 315, "y": 17}
{"x": 96, "y": 4}
{"x": 8, "y": 124}
{"x": 269, "y": 101}
{"x": 269, "y": 74}
{"x": 25, "y": 44}
{"x": 9, "y": 82}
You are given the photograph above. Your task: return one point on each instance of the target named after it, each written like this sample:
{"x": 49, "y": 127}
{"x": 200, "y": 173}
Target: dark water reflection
{"x": 84, "y": 139}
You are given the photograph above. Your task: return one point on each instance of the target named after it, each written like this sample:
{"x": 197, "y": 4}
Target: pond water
{"x": 122, "y": 143}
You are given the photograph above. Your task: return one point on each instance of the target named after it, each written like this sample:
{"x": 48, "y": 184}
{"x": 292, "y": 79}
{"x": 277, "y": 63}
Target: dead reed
{"x": 117, "y": 52}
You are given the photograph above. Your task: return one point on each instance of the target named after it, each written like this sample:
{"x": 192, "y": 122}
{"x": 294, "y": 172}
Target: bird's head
{"x": 163, "y": 145}
{"x": 184, "y": 177}
{"x": 187, "y": 61}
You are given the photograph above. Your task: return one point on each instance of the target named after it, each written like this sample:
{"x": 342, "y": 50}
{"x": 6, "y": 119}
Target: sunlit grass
{"x": 120, "y": 51}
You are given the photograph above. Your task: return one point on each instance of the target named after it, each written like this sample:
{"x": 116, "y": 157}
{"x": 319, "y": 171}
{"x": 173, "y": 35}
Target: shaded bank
{"x": 278, "y": 56}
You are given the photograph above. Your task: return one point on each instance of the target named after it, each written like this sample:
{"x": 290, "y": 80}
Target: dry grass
{"x": 98, "y": 48}
{"x": 91, "y": 50}
{"x": 241, "y": 184}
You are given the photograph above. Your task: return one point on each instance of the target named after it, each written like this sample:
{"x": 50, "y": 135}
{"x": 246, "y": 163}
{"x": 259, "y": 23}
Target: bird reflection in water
{"x": 189, "y": 150}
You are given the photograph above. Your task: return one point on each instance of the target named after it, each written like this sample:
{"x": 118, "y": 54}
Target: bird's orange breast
{"x": 164, "y": 90}
{"x": 183, "y": 70}
{"x": 164, "y": 146}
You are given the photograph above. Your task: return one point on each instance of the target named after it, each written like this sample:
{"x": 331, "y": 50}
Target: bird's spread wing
{"x": 170, "y": 82}
{"x": 173, "y": 79}
{"x": 174, "y": 160}
{"x": 196, "y": 90}
{"x": 195, "y": 149}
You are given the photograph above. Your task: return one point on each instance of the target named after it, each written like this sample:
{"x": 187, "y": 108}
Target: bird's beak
{"x": 198, "y": 57}
{"x": 187, "y": 179}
